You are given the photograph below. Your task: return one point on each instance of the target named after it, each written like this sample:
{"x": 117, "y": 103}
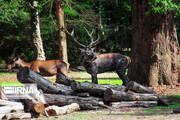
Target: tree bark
{"x": 155, "y": 49}
{"x": 62, "y": 44}
{"x": 36, "y": 39}
{"x": 94, "y": 89}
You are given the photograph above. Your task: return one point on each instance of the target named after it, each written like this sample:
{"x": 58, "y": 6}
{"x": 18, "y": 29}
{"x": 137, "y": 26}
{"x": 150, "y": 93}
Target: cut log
{"x": 55, "y": 110}
{"x": 26, "y": 75}
{"x": 114, "y": 96}
{"x": 16, "y": 115}
{"x": 137, "y": 88}
{"x": 15, "y": 106}
{"x": 84, "y": 102}
{"x": 94, "y": 89}
{"x": 32, "y": 105}
{"x": 62, "y": 79}
{"x": 133, "y": 104}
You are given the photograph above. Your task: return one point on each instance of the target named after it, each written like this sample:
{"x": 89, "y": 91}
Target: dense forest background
{"x": 114, "y": 17}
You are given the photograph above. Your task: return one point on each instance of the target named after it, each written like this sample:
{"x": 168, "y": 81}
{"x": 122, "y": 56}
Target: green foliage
{"x": 115, "y": 19}
{"x": 164, "y": 6}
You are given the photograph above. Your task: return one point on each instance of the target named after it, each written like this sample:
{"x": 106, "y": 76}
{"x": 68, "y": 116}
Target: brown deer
{"x": 44, "y": 68}
{"x": 95, "y": 63}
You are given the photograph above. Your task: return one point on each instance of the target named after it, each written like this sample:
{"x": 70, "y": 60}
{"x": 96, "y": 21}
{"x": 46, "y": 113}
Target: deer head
{"x": 15, "y": 62}
{"x": 87, "y": 52}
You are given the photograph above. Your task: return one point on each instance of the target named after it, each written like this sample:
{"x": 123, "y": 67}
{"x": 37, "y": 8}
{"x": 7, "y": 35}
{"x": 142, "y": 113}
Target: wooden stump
{"x": 94, "y": 89}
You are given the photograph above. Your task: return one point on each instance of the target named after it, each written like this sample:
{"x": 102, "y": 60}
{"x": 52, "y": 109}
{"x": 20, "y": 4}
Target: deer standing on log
{"x": 95, "y": 63}
{"x": 42, "y": 67}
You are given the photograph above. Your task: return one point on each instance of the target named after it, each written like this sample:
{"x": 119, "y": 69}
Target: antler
{"x": 93, "y": 43}
{"x": 72, "y": 35}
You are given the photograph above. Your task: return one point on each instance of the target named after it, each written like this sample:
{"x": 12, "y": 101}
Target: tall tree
{"x": 155, "y": 49}
{"x": 36, "y": 39}
{"x": 62, "y": 44}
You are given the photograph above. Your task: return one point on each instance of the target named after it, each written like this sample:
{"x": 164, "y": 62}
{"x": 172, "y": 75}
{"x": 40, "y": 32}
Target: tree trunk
{"x": 36, "y": 39}
{"x": 155, "y": 49}
{"x": 62, "y": 44}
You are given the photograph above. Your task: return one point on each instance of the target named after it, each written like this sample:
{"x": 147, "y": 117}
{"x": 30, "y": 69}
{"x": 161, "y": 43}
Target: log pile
{"x": 67, "y": 95}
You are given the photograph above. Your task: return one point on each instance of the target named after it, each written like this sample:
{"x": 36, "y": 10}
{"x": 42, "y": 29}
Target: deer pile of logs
{"x": 67, "y": 95}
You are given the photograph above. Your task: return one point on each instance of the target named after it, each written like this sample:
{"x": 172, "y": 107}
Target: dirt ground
{"x": 117, "y": 114}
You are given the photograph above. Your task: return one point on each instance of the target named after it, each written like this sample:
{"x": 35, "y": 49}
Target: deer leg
{"x": 123, "y": 76}
{"x": 94, "y": 78}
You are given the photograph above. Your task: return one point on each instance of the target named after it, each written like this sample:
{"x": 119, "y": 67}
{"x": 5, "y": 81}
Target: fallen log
{"x": 16, "y": 115}
{"x": 111, "y": 95}
{"x": 133, "y": 104}
{"x": 26, "y": 75}
{"x": 62, "y": 79}
{"x": 4, "y": 110}
{"x": 137, "y": 88}
{"x": 94, "y": 89}
{"x": 114, "y": 96}
{"x": 84, "y": 102}
{"x": 56, "y": 110}
{"x": 15, "y": 106}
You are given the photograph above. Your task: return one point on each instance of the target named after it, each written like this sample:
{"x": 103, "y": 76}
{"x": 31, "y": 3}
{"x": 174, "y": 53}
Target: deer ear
{"x": 82, "y": 49}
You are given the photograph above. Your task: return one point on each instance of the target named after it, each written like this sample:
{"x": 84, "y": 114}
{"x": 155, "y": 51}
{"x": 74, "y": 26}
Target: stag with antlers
{"x": 95, "y": 63}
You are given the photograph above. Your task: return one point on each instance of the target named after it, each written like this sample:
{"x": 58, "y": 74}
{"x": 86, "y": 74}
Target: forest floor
{"x": 118, "y": 114}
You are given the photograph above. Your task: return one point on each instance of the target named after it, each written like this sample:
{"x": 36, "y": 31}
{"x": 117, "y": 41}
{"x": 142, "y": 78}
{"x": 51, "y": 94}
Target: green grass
{"x": 9, "y": 84}
{"x": 7, "y": 73}
{"x": 104, "y": 81}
